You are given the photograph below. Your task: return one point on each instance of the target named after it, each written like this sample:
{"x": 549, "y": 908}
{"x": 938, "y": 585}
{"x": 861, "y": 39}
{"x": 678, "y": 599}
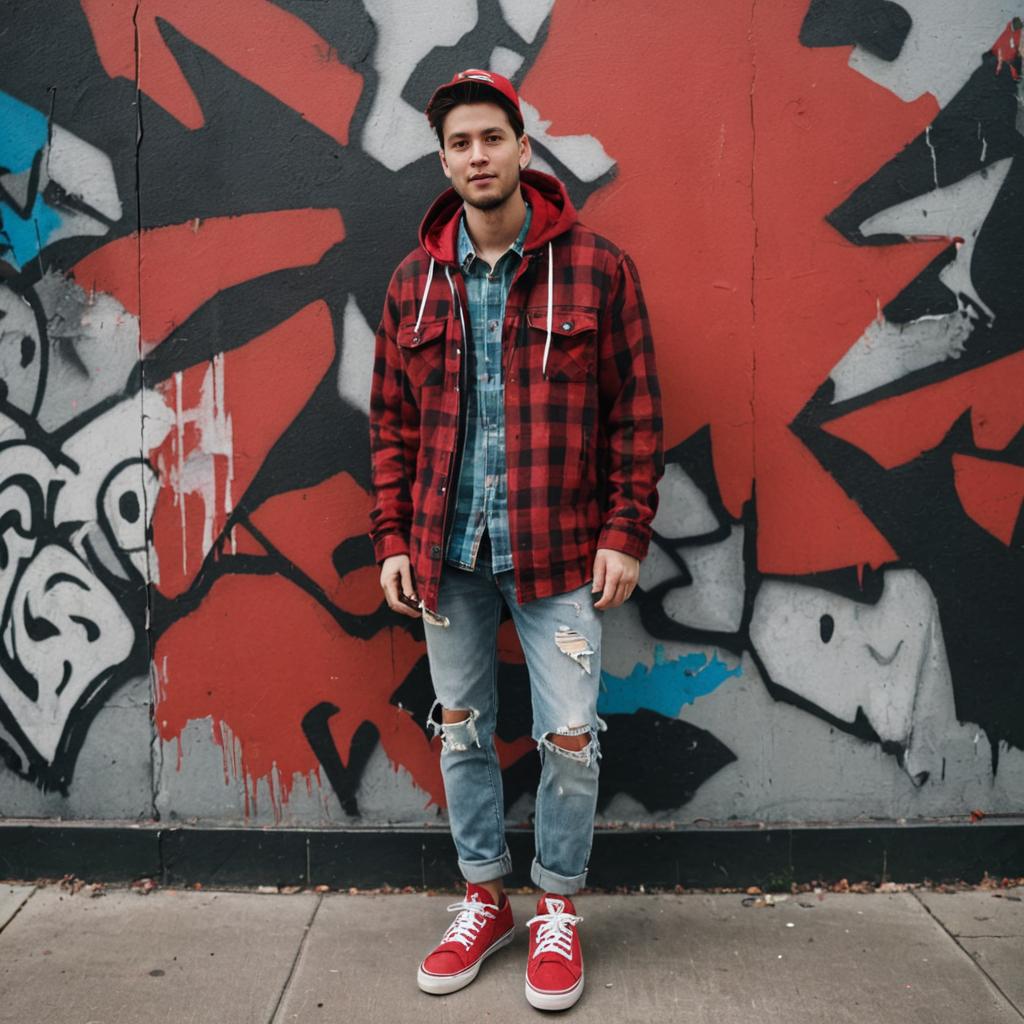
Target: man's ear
{"x": 444, "y": 164}
{"x": 525, "y": 151}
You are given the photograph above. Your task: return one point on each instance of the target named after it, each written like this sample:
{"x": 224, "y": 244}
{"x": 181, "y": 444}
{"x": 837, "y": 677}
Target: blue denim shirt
{"x": 482, "y": 497}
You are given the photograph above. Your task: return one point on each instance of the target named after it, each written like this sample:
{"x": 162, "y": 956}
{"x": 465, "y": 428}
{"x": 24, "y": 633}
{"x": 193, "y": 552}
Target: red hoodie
{"x": 582, "y": 404}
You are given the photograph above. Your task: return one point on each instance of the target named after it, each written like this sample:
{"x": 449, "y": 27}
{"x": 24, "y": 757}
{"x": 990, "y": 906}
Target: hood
{"x": 552, "y": 215}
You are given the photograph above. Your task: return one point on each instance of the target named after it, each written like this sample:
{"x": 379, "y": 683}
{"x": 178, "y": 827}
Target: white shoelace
{"x": 555, "y": 933}
{"x": 472, "y": 916}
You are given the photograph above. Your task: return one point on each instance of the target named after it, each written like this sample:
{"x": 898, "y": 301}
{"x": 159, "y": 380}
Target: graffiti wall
{"x": 200, "y": 208}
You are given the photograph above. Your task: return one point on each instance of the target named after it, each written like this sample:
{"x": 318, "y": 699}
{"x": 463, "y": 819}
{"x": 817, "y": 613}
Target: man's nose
{"x": 478, "y": 153}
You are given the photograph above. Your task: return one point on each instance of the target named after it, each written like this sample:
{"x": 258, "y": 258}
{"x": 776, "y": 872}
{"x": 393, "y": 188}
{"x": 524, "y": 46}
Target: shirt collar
{"x": 464, "y": 246}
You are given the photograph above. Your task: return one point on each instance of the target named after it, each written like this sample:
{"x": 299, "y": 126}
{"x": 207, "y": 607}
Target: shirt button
{"x": 567, "y": 325}
{"x": 493, "y": 325}
{"x": 435, "y": 550}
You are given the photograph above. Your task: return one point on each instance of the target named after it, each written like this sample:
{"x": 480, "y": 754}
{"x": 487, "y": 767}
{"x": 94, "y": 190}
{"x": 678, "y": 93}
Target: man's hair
{"x": 470, "y": 92}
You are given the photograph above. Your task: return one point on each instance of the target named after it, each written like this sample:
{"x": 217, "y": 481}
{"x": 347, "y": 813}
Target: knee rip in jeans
{"x": 574, "y": 645}
{"x": 455, "y": 736}
{"x": 585, "y": 755}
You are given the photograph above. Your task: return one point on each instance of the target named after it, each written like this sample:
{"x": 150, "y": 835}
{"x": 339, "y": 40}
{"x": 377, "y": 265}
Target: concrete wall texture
{"x": 201, "y": 207}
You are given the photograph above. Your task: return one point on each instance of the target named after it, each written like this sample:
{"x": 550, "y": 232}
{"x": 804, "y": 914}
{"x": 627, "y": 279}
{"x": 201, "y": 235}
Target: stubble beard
{"x": 491, "y": 202}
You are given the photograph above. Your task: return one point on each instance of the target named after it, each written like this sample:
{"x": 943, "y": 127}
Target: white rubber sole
{"x": 442, "y": 984}
{"x": 554, "y": 1000}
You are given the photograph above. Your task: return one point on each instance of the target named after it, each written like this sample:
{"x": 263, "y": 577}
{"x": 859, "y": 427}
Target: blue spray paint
{"x": 664, "y": 686}
{"x": 23, "y": 133}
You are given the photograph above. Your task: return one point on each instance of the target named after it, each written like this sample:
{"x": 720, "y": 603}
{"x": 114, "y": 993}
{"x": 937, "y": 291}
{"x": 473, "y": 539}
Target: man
{"x": 516, "y": 445}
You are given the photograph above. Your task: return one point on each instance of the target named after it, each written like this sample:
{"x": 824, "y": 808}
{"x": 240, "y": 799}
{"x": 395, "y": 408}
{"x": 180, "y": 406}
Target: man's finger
{"x": 608, "y": 593}
{"x": 616, "y": 598}
{"x": 407, "y": 588}
{"x": 391, "y": 587}
{"x": 598, "y": 583}
{"x": 409, "y": 591}
{"x": 402, "y": 609}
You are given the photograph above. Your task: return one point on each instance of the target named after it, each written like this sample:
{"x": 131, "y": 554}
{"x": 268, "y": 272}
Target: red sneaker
{"x": 554, "y": 972}
{"x": 480, "y": 929}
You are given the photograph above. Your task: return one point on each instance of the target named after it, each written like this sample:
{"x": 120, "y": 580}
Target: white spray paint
{"x": 942, "y": 49}
{"x": 112, "y": 483}
{"x": 63, "y": 627}
{"x": 396, "y": 133}
{"x": 80, "y": 170}
{"x": 505, "y": 61}
{"x": 955, "y": 211}
{"x": 887, "y": 351}
{"x": 887, "y": 659}
{"x": 195, "y": 471}
{"x": 355, "y": 368}
{"x": 526, "y": 16}
{"x": 931, "y": 150}
{"x": 582, "y": 154}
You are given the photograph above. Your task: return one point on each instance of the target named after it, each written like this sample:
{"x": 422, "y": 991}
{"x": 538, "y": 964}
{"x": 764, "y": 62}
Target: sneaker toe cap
{"x": 553, "y": 976}
{"x": 443, "y": 962}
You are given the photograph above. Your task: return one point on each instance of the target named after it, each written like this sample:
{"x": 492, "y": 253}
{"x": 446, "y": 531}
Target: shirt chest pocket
{"x": 422, "y": 351}
{"x": 572, "y": 355}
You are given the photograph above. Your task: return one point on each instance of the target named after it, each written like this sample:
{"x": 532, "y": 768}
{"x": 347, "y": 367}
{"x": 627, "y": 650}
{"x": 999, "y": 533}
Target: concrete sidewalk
{"x": 251, "y": 958}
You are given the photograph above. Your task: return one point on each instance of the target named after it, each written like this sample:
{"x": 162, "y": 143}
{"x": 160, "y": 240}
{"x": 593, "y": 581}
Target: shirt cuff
{"x": 390, "y": 544}
{"x": 627, "y": 539}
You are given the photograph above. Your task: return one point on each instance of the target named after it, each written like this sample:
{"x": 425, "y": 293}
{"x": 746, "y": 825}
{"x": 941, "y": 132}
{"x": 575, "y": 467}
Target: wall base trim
{"x": 693, "y": 857}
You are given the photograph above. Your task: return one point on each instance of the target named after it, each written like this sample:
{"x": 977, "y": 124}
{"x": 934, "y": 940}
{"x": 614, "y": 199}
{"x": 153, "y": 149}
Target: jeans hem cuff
{"x": 478, "y": 871}
{"x": 551, "y": 882}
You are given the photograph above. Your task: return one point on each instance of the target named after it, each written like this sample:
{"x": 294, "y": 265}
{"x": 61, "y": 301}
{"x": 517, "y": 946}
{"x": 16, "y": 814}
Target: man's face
{"x": 482, "y": 155}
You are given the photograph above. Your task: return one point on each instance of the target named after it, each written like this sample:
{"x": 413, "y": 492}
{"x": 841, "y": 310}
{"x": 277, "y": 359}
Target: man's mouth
{"x": 482, "y": 177}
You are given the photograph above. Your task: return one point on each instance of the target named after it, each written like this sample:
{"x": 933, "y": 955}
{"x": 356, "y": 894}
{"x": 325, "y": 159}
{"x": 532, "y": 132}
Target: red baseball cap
{"x": 489, "y": 79}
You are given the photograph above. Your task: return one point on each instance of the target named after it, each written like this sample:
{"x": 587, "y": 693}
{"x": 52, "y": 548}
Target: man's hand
{"x": 396, "y": 580}
{"x": 615, "y": 575}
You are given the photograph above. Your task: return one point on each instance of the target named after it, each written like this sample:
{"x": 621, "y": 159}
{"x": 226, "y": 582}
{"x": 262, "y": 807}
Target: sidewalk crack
{"x": 992, "y": 981}
{"x": 21, "y": 907}
{"x": 295, "y": 962}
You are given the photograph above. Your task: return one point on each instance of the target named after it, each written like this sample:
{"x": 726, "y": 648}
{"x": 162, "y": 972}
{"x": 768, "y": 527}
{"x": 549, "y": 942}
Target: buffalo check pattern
{"x": 584, "y": 441}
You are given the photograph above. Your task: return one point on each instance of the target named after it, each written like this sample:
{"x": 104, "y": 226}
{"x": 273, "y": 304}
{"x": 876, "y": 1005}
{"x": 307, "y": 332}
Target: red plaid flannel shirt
{"x": 583, "y": 441}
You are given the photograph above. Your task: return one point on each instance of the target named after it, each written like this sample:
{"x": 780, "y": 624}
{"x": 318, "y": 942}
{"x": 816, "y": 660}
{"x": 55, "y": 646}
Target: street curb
{"x": 692, "y": 857}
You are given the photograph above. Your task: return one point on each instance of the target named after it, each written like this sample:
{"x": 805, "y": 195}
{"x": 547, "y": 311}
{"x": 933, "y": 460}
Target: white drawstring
{"x": 551, "y": 288}
{"x": 455, "y": 301}
{"x": 426, "y": 292}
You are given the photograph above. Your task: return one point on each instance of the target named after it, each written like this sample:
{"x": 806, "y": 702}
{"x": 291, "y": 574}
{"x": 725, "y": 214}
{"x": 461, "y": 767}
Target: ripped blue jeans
{"x": 561, "y": 640}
